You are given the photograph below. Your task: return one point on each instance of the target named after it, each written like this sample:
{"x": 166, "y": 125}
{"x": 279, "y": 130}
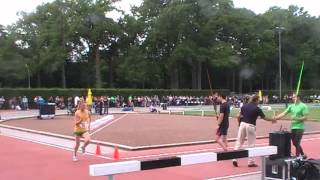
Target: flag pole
{"x": 214, "y": 105}
{"x": 300, "y": 77}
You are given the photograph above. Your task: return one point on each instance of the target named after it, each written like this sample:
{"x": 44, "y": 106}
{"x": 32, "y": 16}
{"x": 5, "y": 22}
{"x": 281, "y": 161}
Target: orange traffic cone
{"x": 116, "y": 153}
{"x": 98, "y": 151}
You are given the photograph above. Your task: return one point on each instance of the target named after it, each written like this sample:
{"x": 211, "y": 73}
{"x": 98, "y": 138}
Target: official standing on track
{"x": 299, "y": 112}
{"x": 81, "y": 128}
{"x": 248, "y": 115}
{"x": 223, "y": 123}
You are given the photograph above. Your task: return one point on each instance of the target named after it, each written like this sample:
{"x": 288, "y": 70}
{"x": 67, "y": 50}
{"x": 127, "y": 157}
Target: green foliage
{"x": 163, "y": 44}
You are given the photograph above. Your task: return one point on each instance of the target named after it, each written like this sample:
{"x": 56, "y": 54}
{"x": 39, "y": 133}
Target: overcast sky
{"x": 9, "y": 8}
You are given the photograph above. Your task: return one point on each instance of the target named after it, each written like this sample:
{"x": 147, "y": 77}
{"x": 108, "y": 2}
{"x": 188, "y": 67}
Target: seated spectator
{"x": 152, "y": 108}
{"x": 126, "y": 107}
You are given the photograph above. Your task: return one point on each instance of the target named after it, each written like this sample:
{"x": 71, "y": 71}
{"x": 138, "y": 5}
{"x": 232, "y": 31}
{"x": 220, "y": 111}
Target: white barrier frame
{"x": 113, "y": 168}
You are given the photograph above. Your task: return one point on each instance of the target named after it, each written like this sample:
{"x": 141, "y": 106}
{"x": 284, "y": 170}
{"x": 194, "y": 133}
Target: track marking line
{"x": 56, "y": 146}
{"x": 235, "y": 176}
{"x": 62, "y": 136}
{"x": 108, "y": 124}
{"x": 198, "y": 151}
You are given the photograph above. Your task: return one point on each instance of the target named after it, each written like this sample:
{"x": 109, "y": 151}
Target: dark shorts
{"x": 222, "y": 131}
{"x": 79, "y": 133}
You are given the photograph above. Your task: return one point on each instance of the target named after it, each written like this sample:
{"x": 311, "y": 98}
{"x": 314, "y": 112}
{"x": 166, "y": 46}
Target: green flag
{"x": 300, "y": 76}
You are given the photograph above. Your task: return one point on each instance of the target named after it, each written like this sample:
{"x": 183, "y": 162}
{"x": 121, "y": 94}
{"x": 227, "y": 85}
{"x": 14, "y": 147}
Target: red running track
{"x": 26, "y": 160}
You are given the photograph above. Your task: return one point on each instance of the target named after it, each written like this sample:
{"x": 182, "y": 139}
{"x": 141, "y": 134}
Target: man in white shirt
{"x": 76, "y": 101}
{"x": 25, "y": 103}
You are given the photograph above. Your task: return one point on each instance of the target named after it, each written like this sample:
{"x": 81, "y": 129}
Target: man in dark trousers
{"x": 101, "y": 106}
{"x": 223, "y": 123}
{"x": 249, "y": 114}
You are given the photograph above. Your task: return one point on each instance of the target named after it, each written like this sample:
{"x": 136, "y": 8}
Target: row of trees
{"x": 162, "y": 44}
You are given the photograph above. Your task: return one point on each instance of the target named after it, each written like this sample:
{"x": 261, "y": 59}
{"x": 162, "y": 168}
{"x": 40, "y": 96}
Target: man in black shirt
{"x": 223, "y": 123}
{"x": 249, "y": 114}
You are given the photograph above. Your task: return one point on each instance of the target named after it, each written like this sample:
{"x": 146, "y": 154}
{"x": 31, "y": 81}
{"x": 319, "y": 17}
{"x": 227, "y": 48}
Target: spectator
{"x": 76, "y": 101}
{"x": 25, "y": 105}
{"x": 2, "y": 101}
{"x": 101, "y": 105}
{"x": 51, "y": 100}
{"x": 152, "y": 108}
{"x": 13, "y": 103}
{"x": 40, "y": 100}
{"x": 57, "y": 100}
{"x": 61, "y": 104}
{"x": 70, "y": 107}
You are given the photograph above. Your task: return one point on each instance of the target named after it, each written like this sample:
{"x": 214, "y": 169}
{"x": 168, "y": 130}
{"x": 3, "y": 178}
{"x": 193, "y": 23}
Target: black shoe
{"x": 235, "y": 163}
{"x": 304, "y": 157}
{"x": 252, "y": 165}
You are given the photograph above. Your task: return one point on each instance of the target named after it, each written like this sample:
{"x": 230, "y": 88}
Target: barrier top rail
{"x": 109, "y": 169}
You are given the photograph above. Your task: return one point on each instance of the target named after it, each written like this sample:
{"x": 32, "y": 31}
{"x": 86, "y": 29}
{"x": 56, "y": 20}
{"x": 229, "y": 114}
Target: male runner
{"x": 223, "y": 123}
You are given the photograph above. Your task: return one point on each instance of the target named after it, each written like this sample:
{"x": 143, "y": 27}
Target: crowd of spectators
{"x": 101, "y": 102}
{"x": 16, "y": 103}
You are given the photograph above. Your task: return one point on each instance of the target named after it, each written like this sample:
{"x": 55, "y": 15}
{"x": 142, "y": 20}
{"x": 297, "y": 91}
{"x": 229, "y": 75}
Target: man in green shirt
{"x": 298, "y": 112}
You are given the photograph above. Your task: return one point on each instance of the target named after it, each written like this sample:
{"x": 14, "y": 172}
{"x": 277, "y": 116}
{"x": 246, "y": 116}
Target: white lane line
{"x": 43, "y": 133}
{"x": 56, "y": 146}
{"x": 149, "y": 156}
{"x": 235, "y": 176}
{"x": 201, "y": 142}
{"x": 197, "y": 151}
{"x": 182, "y": 152}
{"x": 108, "y": 124}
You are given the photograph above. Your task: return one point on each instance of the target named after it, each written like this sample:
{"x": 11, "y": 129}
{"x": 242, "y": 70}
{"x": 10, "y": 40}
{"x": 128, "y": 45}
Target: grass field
{"x": 314, "y": 112}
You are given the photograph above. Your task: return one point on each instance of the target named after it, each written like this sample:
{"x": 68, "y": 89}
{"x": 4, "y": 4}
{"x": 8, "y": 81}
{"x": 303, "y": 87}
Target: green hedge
{"x": 30, "y": 93}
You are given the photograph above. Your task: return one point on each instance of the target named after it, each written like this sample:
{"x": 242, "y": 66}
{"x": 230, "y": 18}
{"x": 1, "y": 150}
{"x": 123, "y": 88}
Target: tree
{"x": 11, "y": 67}
{"x": 95, "y": 30}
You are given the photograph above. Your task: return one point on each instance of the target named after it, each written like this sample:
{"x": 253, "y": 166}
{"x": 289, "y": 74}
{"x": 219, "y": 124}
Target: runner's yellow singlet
{"x": 84, "y": 117}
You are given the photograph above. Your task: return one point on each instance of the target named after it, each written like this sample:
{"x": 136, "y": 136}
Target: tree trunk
{"x": 240, "y": 84}
{"x": 199, "y": 73}
{"x": 166, "y": 79}
{"x": 98, "y": 67}
{"x": 110, "y": 64}
{"x": 39, "y": 79}
{"x": 291, "y": 79}
{"x": 234, "y": 80}
{"x": 39, "y": 72}
{"x": 174, "y": 78}
{"x": 63, "y": 45}
{"x": 229, "y": 80}
{"x": 143, "y": 84}
{"x": 63, "y": 76}
{"x": 196, "y": 74}
{"x": 183, "y": 78}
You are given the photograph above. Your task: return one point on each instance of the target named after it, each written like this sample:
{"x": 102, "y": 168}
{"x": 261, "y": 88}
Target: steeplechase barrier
{"x": 114, "y": 168}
